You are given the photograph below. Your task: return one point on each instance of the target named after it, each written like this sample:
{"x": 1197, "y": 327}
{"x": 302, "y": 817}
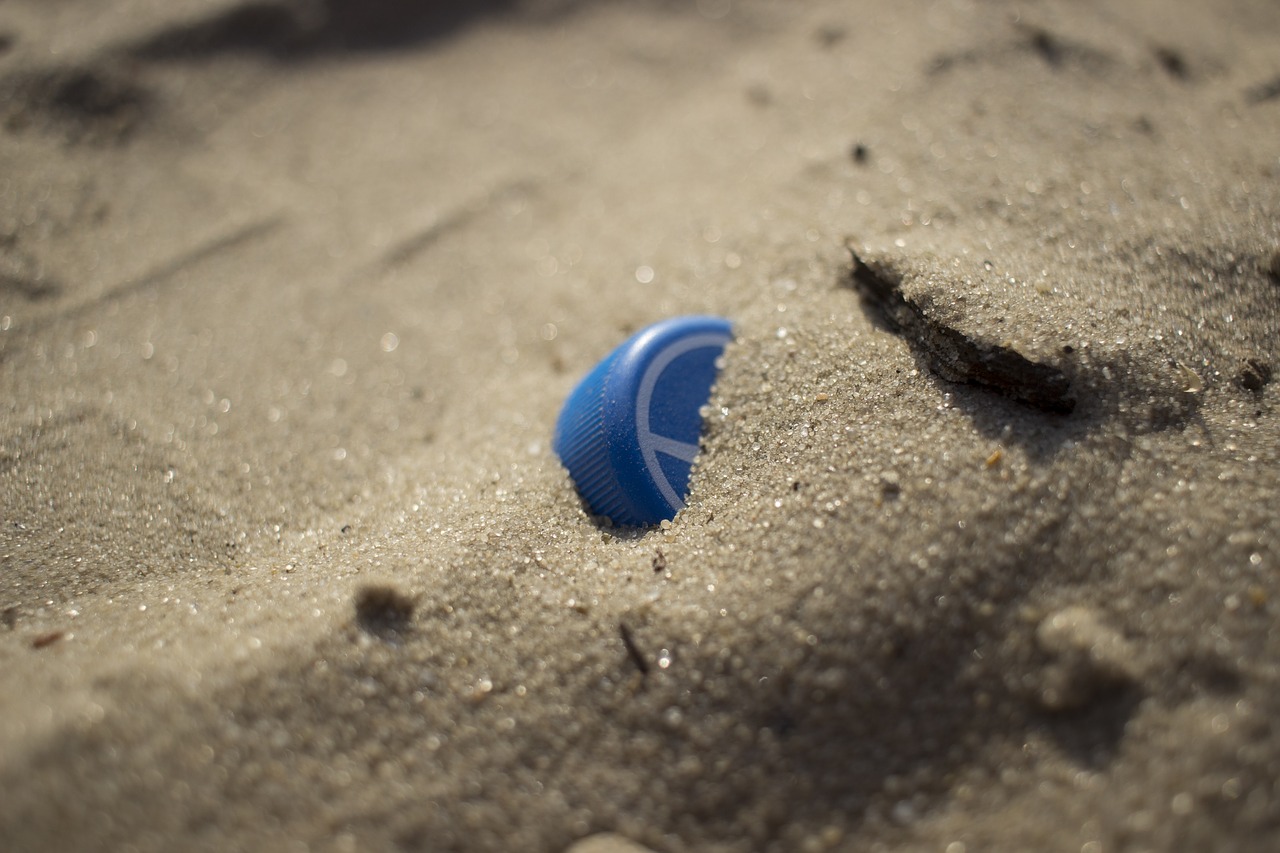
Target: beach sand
{"x": 981, "y": 551}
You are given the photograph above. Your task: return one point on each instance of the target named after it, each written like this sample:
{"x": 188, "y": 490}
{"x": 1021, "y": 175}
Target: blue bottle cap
{"x": 629, "y": 431}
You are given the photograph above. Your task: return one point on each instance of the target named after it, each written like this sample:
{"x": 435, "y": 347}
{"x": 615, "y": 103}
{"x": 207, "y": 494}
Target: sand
{"x": 981, "y": 549}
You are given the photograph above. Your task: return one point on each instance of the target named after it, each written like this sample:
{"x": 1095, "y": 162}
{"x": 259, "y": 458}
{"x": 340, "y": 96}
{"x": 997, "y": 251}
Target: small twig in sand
{"x": 632, "y": 650}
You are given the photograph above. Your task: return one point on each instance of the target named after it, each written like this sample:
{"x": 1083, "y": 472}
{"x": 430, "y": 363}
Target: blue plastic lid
{"x": 629, "y": 431}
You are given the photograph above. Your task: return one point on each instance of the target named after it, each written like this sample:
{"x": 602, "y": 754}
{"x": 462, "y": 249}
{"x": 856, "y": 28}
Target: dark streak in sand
{"x": 955, "y": 356}
{"x": 165, "y": 272}
{"x": 43, "y": 641}
{"x": 1268, "y": 90}
{"x": 632, "y": 650}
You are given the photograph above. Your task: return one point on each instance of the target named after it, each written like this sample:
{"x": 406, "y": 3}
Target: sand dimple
{"x": 95, "y": 105}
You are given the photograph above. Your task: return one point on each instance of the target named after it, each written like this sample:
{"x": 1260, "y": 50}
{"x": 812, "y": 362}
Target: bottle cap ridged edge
{"x": 581, "y": 441}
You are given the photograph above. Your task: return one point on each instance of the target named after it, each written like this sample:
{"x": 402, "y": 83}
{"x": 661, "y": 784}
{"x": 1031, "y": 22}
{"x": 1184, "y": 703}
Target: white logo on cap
{"x": 651, "y": 444}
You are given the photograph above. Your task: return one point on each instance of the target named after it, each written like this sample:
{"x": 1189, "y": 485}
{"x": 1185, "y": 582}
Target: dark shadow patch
{"x": 759, "y": 95}
{"x": 1173, "y": 63}
{"x": 83, "y": 104}
{"x": 830, "y": 35}
{"x": 1207, "y": 673}
{"x": 1091, "y": 731}
{"x": 1124, "y": 386}
{"x": 383, "y": 611}
{"x": 1058, "y": 52}
{"x": 1254, "y": 375}
{"x": 954, "y": 355}
{"x": 22, "y": 276}
{"x": 1268, "y": 90}
{"x": 1047, "y": 46}
{"x": 302, "y": 29}
{"x": 1091, "y": 734}
{"x": 276, "y": 29}
{"x": 1053, "y": 50}
{"x": 852, "y": 712}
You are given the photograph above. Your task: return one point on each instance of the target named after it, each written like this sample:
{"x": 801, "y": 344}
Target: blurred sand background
{"x": 982, "y": 548}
